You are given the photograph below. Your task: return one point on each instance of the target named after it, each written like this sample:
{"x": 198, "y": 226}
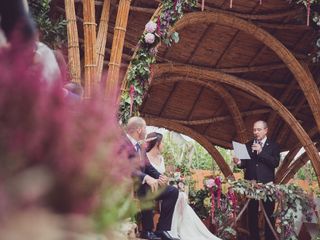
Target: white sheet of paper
{"x": 240, "y": 150}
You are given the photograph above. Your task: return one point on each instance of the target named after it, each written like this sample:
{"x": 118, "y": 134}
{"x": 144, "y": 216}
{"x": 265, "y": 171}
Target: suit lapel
{"x": 266, "y": 145}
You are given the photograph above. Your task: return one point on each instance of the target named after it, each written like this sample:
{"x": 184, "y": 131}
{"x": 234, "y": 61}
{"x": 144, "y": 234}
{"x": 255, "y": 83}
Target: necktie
{"x": 138, "y": 147}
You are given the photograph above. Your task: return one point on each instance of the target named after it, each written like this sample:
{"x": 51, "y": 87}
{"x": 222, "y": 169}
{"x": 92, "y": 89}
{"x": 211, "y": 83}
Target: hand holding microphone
{"x": 256, "y": 146}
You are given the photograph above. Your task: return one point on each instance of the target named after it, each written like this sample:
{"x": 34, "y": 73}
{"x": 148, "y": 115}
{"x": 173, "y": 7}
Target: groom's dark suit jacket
{"x": 142, "y": 168}
{"x": 261, "y": 166}
{"x": 168, "y": 195}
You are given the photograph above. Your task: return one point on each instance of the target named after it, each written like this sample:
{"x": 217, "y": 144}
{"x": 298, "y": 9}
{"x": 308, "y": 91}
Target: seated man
{"x": 149, "y": 178}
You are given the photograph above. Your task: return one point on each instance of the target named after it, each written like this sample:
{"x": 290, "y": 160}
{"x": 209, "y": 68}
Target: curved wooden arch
{"x": 280, "y": 174}
{"x": 294, "y": 167}
{"x": 225, "y": 169}
{"x": 306, "y": 82}
{"x": 249, "y": 87}
{"x": 230, "y": 102}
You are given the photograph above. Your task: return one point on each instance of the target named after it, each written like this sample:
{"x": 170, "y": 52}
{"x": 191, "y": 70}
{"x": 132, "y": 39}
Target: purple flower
{"x": 151, "y": 27}
{"x": 153, "y": 51}
{"x": 149, "y": 38}
{"x": 210, "y": 183}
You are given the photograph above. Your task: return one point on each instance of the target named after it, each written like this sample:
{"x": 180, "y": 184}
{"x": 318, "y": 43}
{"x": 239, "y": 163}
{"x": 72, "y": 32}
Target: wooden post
{"x": 90, "y": 63}
{"x": 73, "y": 42}
{"x": 102, "y": 37}
{"x": 112, "y": 82}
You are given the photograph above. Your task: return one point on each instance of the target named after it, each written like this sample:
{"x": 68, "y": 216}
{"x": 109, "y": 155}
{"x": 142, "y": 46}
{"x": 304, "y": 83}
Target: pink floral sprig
{"x": 218, "y": 182}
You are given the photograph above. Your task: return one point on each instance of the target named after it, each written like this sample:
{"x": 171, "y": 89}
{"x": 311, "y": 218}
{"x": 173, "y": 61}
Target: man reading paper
{"x": 264, "y": 158}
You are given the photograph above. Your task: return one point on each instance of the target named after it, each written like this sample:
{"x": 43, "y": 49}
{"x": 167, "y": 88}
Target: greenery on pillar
{"x": 53, "y": 31}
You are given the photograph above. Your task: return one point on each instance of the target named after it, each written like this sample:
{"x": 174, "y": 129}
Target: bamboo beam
{"x": 73, "y": 42}
{"x": 122, "y": 65}
{"x": 90, "y": 56}
{"x": 117, "y": 46}
{"x": 102, "y": 37}
{"x": 110, "y": 33}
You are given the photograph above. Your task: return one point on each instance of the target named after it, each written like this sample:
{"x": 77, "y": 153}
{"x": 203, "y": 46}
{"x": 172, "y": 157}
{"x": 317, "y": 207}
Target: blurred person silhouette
{"x": 15, "y": 17}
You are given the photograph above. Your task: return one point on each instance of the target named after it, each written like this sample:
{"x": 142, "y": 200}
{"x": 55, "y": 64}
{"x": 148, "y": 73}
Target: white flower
{"x": 151, "y": 27}
{"x": 149, "y": 38}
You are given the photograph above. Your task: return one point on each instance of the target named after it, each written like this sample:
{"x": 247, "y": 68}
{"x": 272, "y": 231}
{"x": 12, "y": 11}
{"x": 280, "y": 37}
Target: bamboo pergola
{"x": 231, "y": 67}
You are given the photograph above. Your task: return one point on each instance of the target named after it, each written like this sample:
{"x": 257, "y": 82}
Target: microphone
{"x": 255, "y": 141}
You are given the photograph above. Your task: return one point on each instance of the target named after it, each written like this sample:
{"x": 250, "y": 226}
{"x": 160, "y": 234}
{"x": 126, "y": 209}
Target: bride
{"x": 186, "y": 225}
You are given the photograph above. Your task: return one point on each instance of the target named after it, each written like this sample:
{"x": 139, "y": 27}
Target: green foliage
{"x": 139, "y": 71}
{"x": 306, "y": 173}
{"x": 116, "y": 205}
{"x": 201, "y": 202}
{"x": 188, "y": 155}
{"x": 53, "y": 31}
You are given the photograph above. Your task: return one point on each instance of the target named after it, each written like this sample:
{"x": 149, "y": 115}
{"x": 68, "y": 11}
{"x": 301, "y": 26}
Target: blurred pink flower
{"x": 75, "y": 150}
{"x": 210, "y": 183}
{"x": 149, "y": 38}
{"x": 151, "y": 27}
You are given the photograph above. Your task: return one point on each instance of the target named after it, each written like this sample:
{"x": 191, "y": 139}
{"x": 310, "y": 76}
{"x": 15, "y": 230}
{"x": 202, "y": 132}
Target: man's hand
{"x": 236, "y": 161}
{"x": 163, "y": 180}
{"x": 152, "y": 182}
{"x": 256, "y": 147}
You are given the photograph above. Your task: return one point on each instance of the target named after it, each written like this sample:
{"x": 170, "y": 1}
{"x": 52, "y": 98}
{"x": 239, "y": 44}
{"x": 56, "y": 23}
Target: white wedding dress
{"x": 185, "y": 223}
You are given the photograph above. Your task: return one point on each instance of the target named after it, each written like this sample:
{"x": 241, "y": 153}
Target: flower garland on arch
{"x": 156, "y": 32}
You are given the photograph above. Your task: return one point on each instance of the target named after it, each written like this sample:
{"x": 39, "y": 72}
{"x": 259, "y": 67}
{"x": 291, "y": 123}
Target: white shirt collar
{"x": 132, "y": 140}
{"x": 263, "y": 141}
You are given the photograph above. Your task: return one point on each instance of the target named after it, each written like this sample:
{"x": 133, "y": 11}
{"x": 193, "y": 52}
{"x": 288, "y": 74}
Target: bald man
{"x": 149, "y": 180}
{"x": 265, "y": 157}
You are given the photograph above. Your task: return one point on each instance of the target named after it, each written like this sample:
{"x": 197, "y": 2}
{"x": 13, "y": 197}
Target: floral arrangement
{"x": 156, "y": 31}
{"x": 219, "y": 202}
{"x": 217, "y": 205}
{"x": 290, "y": 198}
{"x": 61, "y": 170}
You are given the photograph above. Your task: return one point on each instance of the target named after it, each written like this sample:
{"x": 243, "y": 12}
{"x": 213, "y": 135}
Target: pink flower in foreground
{"x": 151, "y": 27}
{"x": 209, "y": 183}
{"x": 149, "y": 38}
{"x": 53, "y": 156}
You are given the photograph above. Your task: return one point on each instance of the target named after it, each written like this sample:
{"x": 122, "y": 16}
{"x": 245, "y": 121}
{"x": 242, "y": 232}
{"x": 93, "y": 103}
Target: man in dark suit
{"x": 265, "y": 157}
{"x": 150, "y": 179}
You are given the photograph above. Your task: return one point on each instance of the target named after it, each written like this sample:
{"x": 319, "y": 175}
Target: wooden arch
{"x": 280, "y": 174}
{"x": 306, "y": 82}
{"x": 230, "y": 102}
{"x": 216, "y": 76}
{"x": 225, "y": 169}
{"x": 295, "y": 166}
